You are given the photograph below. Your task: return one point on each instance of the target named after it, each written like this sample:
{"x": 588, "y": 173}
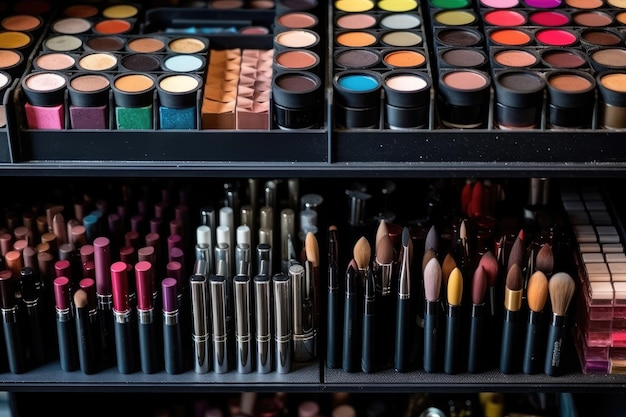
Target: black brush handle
{"x": 431, "y": 316}
{"x": 402, "y": 340}
{"x": 35, "y": 334}
{"x": 508, "y": 357}
{"x": 451, "y": 363}
{"x": 66, "y": 337}
{"x": 333, "y": 341}
{"x": 554, "y": 347}
{"x": 14, "y": 342}
{"x": 533, "y": 353}
{"x": 85, "y": 342}
{"x": 349, "y": 358}
{"x": 367, "y": 345}
{"x": 476, "y": 337}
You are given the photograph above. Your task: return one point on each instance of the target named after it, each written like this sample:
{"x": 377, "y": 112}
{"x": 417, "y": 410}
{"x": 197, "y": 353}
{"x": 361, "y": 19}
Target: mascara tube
{"x": 302, "y": 315}
{"x": 66, "y": 328}
{"x": 123, "y": 329}
{"x": 263, "y": 318}
{"x": 199, "y": 288}
{"x": 12, "y": 333}
{"x": 148, "y": 343}
{"x": 172, "y": 342}
{"x": 243, "y": 332}
{"x": 282, "y": 322}
{"x": 217, "y": 289}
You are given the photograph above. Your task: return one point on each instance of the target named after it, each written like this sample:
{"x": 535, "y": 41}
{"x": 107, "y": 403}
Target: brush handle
{"x": 554, "y": 347}
{"x": 349, "y": 357}
{"x": 431, "y": 336}
{"x": 532, "y": 351}
{"x": 510, "y": 329}
{"x": 451, "y": 363}
{"x": 403, "y": 322}
{"x": 367, "y": 345}
{"x": 333, "y": 341}
{"x": 476, "y": 332}
{"x": 86, "y": 341}
{"x": 35, "y": 333}
{"x": 13, "y": 340}
{"x": 66, "y": 337}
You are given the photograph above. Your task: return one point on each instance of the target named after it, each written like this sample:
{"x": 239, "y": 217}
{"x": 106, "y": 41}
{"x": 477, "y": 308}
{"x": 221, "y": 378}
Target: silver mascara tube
{"x": 282, "y": 322}
{"x": 263, "y": 317}
{"x": 217, "y": 289}
{"x": 243, "y": 331}
{"x": 304, "y": 332}
{"x": 199, "y": 288}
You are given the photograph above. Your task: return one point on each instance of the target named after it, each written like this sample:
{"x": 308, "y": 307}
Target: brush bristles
{"x": 516, "y": 255}
{"x": 432, "y": 239}
{"x": 490, "y": 263}
{"x": 544, "y": 261}
{"x": 479, "y": 285}
{"x": 537, "y": 291}
{"x": 515, "y": 278}
{"x": 562, "y": 288}
{"x": 432, "y": 280}
{"x": 362, "y": 253}
{"x": 447, "y": 267}
{"x": 312, "y": 249}
{"x": 381, "y": 231}
{"x": 455, "y": 287}
{"x": 80, "y": 298}
{"x": 384, "y": 250}
{"x": 428, "y": 255}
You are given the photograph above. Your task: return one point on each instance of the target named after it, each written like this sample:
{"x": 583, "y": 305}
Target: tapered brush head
{"x": 463, "y": 231}
{"x": 479, "y": 285}
{"x": 381, "y": 231}
{"x": 352, "y": 265}
{"x": 384, "y": 250}
{"x": 544, "y": 260}
{"x": 514, "y": 278}
{"x": 432, "y": 239}
{"x": 432, "y": 280}
{"x": 516, "y": 255}
{"x": 455, "y": 287}
{"x": 537, "y": 291}
{"x": 428, "y": 255}
{"x": 489, "y": 262}
{"x": 312, "y": 249}
{"x": 362, "y": 253}
{"x": 80, "y": 298}
{"x": 447, "y": 266}
{"x": 561, "y": 287}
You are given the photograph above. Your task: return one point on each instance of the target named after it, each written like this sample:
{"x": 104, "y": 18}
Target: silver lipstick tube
{"x": 242, "y": 259}
{"x": 198, "y": 287}
{"x": 217, "y": 288}
{"x": 282, "y": 322}
{"x": 243, "y": 332}
{"x": 303, "y": 313}
{"x": 263, "y": 319}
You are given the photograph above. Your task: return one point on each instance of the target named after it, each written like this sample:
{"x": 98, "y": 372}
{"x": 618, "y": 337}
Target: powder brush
{"x": 536, "y": 295}
{"x": 432, "y": 239}
{"x": 561, "y": 288}
{"x": 362, "y": 253}
{"x": 477, "y": 320}
{"x": 432, "y": 287}
{"x": 510, "y": 329}
{"x": 544, "y": 260}
{"x": 454, "y": 337}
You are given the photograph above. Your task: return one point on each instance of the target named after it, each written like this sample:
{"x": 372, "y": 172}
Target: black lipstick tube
{"x": 34, "y": 320}
{"x": 172, "y": 342}
{"x": 11, "y": 325}
{"x": 476, "y": 334}
{"x": 84, "y": 333}
{"x": 65, "y": 326}
{"x": 122, "y": 320}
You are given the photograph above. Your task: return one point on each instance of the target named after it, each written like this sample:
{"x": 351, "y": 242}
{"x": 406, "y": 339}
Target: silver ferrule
{"x": 263, "y": 321}
{"x": 203, "y": 253}
{"x": 357, "y": 206}
{"x": 63, "y": 314}
{"x": 404, "y": 283}
{"x": 201, "y": 267}
{"x": 121, "y": 317}
{"x": 246, "y": 216}
{"x": 170, "y": 318}
{"x": 222, "y": 260}
{"x": 217, "y": 290}
{"x": 282, "y": 322}
{"x": 105, "y": 301}
{"x": 9, "y": 315}
{"x": 242, "y": 259}
{"x": 264, "y": 259}
{"x": 305, "y": 332}
{"x": 384, "y": 272}
{"x": 199, "y": 293}
{"x": 242, "y": 324}
{"x": 145, "y": 316}
{"x": 265, "y": 236}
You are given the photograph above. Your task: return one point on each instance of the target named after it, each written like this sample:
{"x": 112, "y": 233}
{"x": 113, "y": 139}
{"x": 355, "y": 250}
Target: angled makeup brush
{"x": 477, "y": 320}
{"x": 516, "y": 255}
{"x": 454, "y": 338}
{"x": 432, "y": 287}
{"x": 509, "y": 356}
{"x": 561, "y": 288}
{"x": 537, "y": 295}
{"x": 544, "y": 260}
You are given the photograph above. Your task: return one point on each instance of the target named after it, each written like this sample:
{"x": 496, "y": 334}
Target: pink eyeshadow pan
{"x": 356, "y": 21}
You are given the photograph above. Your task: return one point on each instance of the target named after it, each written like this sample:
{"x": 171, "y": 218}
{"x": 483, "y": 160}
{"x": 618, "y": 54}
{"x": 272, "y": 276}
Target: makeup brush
{"x": 351, "y": 344}
{"x": 333, "y": 337}
{"x": 537, "y": 295}
{"x": 447, "y": 266}
{"x": 491, "y": 267}
{"x": 475, "y": 206}
{"x": 510, "y": 329}
{"x": 384, "y": 274}
{"x": 428, "y": 255}
{"x": 451, "y": 363}
{"x": 516, "y": 255}
{"x": 477, "y": 320}
{"x": 561, "y": 288}
{"x": 432, "y": 286}
{"x": 312, "y": 268}
{"x": 544, "y": 260}
{"x": 432, "y": 239}
{"x": 403, "y": 307}
{"x": 381, "y": 231}
{"x": 362, "y": 253}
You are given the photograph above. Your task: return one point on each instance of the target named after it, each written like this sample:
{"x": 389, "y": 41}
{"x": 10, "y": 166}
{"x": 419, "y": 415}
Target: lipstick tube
{"x": 34, "y": 320}
{"x": 262, "y": 304}
{"x": 204, "y": 245}
{"x": 65, "y": 326}
{"x": 122, "y": 320}
{"x": 243, "y": 332}
{"x": 282, "y": 322}
{"x": 148, "y": 340}
{"x": 10, "y": 323}
{"x": 217, "y": 289}
{"x": 172, "y": 342}
{"x": 200, "y": 335}
{"x": 304, "y": 332}
{"x": 102, "y": 262}
{"x": 88, "y": 285}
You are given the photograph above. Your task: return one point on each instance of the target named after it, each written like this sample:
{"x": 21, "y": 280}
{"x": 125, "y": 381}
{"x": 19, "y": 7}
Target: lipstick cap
{"x": 170, "y": 295}
{"x": 119, "y": 282}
